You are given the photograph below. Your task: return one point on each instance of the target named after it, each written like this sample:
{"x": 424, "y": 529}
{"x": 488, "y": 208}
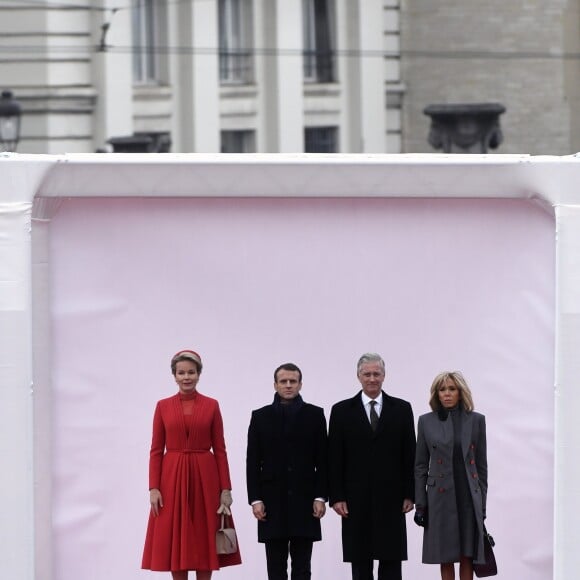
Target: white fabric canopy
{"x": 437, "y": 262}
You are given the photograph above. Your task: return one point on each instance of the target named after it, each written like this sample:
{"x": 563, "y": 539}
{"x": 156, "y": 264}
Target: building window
{"x": 148, "y": 22}
{"x": 318, "y": 22}
{"x": 235, "y": 56}
{"x": 321, "y": 140}
{"x": 238, "y": 142}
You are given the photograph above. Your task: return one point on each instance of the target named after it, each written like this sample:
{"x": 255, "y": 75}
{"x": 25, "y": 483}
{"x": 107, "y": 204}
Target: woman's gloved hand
{"x": 420, "y": 517}
{"x": 225, "y": 502}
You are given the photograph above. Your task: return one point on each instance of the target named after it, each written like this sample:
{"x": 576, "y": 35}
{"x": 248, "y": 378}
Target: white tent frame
{"x": 30, "y": 190}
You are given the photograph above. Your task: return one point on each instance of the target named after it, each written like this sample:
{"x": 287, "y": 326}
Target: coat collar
{"x": 296, "y": 403}
{"x": 466, "y": 429}
{"x": 357, "y": 399}
{"x": 466, "y": 432}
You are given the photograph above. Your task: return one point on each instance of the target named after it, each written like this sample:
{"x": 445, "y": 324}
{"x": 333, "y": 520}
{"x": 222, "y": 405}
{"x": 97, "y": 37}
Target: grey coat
{"x": 434, "y": 486}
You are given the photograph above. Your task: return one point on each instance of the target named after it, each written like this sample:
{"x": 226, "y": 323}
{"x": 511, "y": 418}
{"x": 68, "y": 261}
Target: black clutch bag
{"x": 489, "y": 568}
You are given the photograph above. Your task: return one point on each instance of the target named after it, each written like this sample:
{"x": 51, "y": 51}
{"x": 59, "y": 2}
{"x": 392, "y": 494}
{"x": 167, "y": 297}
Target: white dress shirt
{"x": 366, "y": 400}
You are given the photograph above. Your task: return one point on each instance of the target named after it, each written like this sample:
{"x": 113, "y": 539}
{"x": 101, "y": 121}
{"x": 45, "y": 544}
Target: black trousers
{"x": 300, "y": 550}
{"x": 388, "y": 570}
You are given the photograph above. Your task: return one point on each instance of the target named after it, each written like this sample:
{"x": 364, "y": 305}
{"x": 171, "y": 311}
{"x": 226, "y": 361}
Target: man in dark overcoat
{"x": 286, "y": 475}
{"x": 371, "y": 460}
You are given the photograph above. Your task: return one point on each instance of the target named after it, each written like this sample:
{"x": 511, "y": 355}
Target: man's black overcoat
{"x": 373, "y": 473}
{"x": 286, "y": 467}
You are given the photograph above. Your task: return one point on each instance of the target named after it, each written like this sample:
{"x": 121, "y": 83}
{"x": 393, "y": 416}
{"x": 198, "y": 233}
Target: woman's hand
{"x": 225, "y": 502}
{"x": 156, "y": 501}
{"x": 420, "y": 517}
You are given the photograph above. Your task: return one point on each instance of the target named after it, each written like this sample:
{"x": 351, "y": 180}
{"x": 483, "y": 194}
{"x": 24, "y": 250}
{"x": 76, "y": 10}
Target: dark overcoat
{"x": 286, "y": 468}
{"x": 434, "y": 484}
{"x": 373, "y": 473}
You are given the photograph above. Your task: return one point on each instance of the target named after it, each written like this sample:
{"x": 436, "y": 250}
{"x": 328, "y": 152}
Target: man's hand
{"x": 259, "y": 511}
{"x": 318, "y": 509}
{"x": 341, "y": 509}
{"x": 407, "y": 505}
{"x": 156, "y": 501}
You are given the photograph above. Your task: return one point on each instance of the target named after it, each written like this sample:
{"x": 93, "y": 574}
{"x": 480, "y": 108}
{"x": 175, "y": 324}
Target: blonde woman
{"x": 451, "y": 478}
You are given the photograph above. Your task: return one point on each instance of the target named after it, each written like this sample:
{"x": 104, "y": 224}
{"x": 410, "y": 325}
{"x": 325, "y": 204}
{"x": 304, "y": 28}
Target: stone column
{"x": 361, "y": 32}
{"x": 113, "y": 75}
{"x": 197, "y": 87}
{"x": 372, "y": 76}
{"x": 283, "y": 76}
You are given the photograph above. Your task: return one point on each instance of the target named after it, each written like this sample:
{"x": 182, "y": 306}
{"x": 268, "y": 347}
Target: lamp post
{"x": 10, "y": 113}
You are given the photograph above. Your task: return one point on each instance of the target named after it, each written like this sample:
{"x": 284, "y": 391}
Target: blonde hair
{"x": 465, "y": 397}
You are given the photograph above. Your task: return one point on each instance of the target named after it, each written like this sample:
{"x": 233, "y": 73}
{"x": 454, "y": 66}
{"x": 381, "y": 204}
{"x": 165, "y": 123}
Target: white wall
{"x": 431, "y": 284}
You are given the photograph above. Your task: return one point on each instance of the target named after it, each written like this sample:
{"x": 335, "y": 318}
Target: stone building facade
{"x": 348, "y": 76}
{"x": 524, "y": 55}
{"x": 204, "y": 75}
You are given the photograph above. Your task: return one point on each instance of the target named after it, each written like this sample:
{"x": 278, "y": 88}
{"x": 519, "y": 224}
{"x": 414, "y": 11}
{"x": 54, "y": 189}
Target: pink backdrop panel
{"x": 251, "y": 283}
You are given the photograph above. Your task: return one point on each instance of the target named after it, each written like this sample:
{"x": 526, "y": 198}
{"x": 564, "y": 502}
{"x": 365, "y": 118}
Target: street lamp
{"x": 10, "y": 113}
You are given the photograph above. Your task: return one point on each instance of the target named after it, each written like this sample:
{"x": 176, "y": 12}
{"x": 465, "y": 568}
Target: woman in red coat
{"x": 189, "y": 479}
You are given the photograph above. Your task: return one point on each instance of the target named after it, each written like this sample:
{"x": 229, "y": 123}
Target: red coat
{"x": 190, "y": 478}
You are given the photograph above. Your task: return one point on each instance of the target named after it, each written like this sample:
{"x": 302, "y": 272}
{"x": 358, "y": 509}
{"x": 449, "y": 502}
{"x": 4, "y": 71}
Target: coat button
{"x": 441, "y": 489}
{"x": 474, "y": 475}
{"x": 472, "y": 462}
{"x": 440, "y": 461}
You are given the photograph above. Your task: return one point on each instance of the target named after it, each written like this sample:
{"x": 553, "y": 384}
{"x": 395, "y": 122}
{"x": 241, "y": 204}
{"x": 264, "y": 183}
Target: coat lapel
{"x": 466, "y": 432}
{"x": 386, "y": 411}
{"x": 359, "y": 414}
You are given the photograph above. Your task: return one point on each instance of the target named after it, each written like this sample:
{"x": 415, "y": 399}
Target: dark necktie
{"x": 373, "y": 416}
